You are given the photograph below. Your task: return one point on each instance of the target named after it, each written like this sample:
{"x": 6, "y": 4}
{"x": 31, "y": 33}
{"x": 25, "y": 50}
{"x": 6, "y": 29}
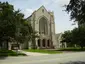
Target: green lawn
{"x": 10, "y": 53}
{"x": 61, "y": 50}
{"x": 71, "y": 49}
{"x": 43, "y": 51}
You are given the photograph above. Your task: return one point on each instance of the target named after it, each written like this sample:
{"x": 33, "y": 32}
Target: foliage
{"x": 13, "y": 26}
{"x": 67, "y": 36}
{"x": 79, "y": 36}
{"x": 76, "y": 36}
{"x": 76, "y": 8}
{"x": 33, "y": 36}
{"x": 7, "y": 27}
{"x": 6, "y": 20}
{"x": 71, "y": 49}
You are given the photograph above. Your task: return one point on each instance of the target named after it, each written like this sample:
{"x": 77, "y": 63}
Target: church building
{"x": 42, "y": 21}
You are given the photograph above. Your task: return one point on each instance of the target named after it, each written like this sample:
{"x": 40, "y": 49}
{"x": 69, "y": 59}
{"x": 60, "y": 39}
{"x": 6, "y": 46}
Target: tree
{"x": 67, "y": 37}
{"x": 79, "y": 36}
{"x": 33, "y": 37}
{"x": 13, "y": 26}
{"x": 23, "y": 28}
{"x": 76, "y": 8}
{"x": 76, "y": 36}
{"x": 7, "y": 27}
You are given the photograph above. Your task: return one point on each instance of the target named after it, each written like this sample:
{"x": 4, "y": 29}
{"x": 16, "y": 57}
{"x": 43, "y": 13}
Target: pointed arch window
{"x": 43, "y": 26}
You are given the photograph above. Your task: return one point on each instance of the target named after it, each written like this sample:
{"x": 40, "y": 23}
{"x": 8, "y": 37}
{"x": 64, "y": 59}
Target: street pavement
{"x": 63, "y": 58}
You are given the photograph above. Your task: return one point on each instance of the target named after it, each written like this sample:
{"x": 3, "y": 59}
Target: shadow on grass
{"x": 3, "y": 54}
{"x": 3, "y": 57}
{"x": 76, "y": 62}
{"x": 6, "y": 53}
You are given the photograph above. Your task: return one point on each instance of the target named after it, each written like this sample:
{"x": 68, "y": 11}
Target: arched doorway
{"x": 38, "y": 42}
{"x": 43, "y": 42}
{"x": 43, "y": 26}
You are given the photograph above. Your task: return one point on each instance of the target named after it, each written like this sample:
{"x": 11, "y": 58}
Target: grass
{"x": 43, "y": 51}
{"x": 71, "y": 49}
{"x": 61, "y": 50}
{"x": 10, "y": 53}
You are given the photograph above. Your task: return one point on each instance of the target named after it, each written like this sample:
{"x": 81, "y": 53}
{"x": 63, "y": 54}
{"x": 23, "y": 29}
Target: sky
{"x": 62, "y": 19}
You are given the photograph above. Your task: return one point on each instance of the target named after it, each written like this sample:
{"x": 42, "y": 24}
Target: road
{"x": 63, "y": 58}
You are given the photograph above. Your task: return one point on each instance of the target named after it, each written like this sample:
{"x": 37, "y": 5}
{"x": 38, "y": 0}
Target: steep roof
{"x": 58, "y": 35}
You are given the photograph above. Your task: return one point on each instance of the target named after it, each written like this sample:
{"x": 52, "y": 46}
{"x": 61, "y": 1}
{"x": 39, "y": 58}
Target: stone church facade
{"x": 42, "y": 21}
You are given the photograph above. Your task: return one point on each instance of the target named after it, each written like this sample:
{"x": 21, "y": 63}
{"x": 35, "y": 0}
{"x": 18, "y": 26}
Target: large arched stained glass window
{"x": 43, "y": 26}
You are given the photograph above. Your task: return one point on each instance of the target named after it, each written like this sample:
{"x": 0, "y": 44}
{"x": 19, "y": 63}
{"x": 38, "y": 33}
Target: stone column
{"x": 30, "y": 45}
{"x": 36, "y": 43}
{"x": 41, "y": 43}
{"x": 20, "y": 46}
{"x": 51, "y": 44}
{"x": 46, "y": 43}
{"x": 65, "y": 45}
{"x": 9, "y": 46}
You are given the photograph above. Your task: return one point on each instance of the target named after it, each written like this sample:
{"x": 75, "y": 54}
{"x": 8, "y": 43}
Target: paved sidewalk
{"x": 33, "y": 53}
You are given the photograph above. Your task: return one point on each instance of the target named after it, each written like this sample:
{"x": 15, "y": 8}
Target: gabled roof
{"x": 42, "y": 7}
{"x": 58, "y": 35}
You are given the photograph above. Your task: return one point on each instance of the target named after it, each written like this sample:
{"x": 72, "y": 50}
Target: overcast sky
{"x": 62, "y": 20}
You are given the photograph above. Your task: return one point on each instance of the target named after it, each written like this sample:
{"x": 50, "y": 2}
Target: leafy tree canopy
{"x": 76, "y": 36}
{"x": 76, "y": 8}
{"x": 13, "y": 26}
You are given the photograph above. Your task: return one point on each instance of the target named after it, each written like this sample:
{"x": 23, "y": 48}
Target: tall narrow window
{"x": 43, "y": 26}
{"x": 43, "y": 10}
